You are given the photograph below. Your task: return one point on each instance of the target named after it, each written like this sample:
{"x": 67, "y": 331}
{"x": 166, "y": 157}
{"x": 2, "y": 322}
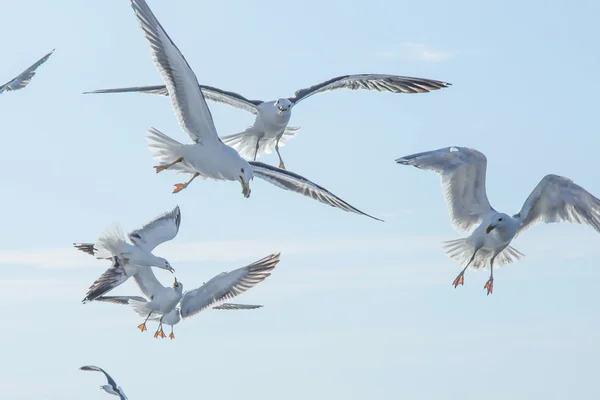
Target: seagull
{"x": 23, "y": 79}
{"x": 462, "y": 171}
{"x": 127, "y": 259}
{"x": 208, "y": 156}
{"x": 211, "y": 294}
{"x": 112, "y": 387}
{"x": 270, "y": 128}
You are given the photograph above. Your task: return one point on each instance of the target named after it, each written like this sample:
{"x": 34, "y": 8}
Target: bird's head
{"x": 164, "y": 264}
{"x": 283, "y": 105}
{"x": 245, "y": 175}
{"x": 499, "y": 220}
{"x": 178, "y": 286}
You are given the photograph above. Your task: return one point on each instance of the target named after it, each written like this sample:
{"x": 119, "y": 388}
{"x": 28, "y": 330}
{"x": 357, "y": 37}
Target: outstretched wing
{"x": 227, "y": 285}
{"x": 232, "y": 306}
{"x": 378, "y": 82}
{"x": 110, "y": 380}
{"x": 188, "y": 102}
{"x": 296, "y": 183}
{"x": 23, "y": 79}
{"x": 210, "y": 93}
{"x": 462, "y": 171}
{"x": 557, "y": 199}
{"x": 159, "y": 230}
{"x": 110, "y": 279}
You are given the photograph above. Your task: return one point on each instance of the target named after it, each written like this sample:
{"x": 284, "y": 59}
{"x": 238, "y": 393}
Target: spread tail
{"x": 462, "y": 250}
{"x": 110, "y": 242}
{"x": 245, "y": 142}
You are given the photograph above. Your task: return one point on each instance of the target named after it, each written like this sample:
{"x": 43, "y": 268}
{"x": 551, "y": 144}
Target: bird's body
{"x": 129, "y": 259}
{"x": 208, "y": 156}
{"x": 463, "y": 173}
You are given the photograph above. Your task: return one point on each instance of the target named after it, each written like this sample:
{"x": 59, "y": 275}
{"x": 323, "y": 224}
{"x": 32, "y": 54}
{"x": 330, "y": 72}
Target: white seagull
{"x": 112, "y": 387}
{"x": 462, "y": 171}
{"x": 211, "y": 294}
{"x": 270, "y": 129}
{"x": 23, "y": 79}
{"x": 208, "y": 156}
{"x": 129, "y": 259}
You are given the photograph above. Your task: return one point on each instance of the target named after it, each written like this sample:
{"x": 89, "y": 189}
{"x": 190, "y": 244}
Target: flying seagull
{"x": 463, "y": 171}
{"x": 23, "y": 79}
{"x": 129, "y": 259}
{"x": 211, "y": 294}
{"x": 208, "y": 156}
{"x": 112, "y": 387}
{"x": 270, "y": 129}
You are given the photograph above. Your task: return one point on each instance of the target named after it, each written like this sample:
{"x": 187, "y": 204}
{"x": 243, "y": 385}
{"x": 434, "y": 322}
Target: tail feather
{"x": 110, "y": 242}
{"x": 462, "y": 250}
{"x": 140, "y": 307}
{"x": 165, "y": 150}
{"x": 86, "y": 248}
{"x": 245, "y": 142}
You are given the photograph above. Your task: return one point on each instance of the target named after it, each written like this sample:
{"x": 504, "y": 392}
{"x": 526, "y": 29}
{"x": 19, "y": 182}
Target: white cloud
{"x": 230, "y": 250}
{"x": 416, "y": 51}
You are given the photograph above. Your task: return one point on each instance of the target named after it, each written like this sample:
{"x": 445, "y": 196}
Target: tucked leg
{"x": 180, "y": 186}
{"x": 281, "y": 164}
{"x": 257, "y": 146}
{"x": 142, "y": 326}
{"x": 160, "y": 168}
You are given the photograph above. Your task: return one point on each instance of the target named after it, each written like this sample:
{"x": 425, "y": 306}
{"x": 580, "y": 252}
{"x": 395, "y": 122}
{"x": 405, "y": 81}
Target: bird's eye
{"x": 242, "y": 170}
{"x": 499, "y": 219}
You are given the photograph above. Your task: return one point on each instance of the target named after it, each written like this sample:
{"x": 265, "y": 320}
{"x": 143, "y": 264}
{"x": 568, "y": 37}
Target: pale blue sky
{"x": 356, "y": 309}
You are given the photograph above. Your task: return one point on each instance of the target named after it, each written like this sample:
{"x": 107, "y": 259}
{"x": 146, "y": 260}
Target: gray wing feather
{"x": 296, "y": 183}
{"x": 462, "y": 171}
{"x": 232, "y": 306}
{"x": 161, "y": 229}
{"x": 210, "y": 93}
{"x": 147, "y": 282}
{"x": 187, "y": 100}
{"x": 227, "y": 285}
{"x": 23, "y": 79}
{"x": 110, "y": 380}
{"x": 122, "y": 300}
{"x": 377, "y": 82}
{"x": 558, "y": 199}
{"x": 110, "y": 279}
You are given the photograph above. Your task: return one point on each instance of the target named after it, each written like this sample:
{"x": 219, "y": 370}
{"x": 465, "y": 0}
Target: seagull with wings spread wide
{"x": 463, "y": 171}
{"x": 129, "y": 259}
{"x": 23, "y": 79}
{"x": 270, "y": 129}
{"x": 112, "y": 387}
{"x": 208, "y": 156}
{"x": 211, "y": 294}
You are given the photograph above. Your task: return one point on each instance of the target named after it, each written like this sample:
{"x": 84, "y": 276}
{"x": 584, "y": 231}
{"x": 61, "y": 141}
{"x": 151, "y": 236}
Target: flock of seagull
{"x": 233, "y": 158}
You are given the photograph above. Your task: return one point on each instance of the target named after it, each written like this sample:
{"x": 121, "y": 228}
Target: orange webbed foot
{"x": 179, "y": 187}
{"x": 160, "y": 168}
{"x": 171, "y": 336}
{"x": 489, "y": 286}
{"x": 142, "y": 327}
{"x": 460, "y": 280}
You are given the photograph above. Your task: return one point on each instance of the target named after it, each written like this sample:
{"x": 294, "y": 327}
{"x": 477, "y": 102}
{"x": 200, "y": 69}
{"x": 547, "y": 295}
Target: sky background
{"x": 356, "y": 308}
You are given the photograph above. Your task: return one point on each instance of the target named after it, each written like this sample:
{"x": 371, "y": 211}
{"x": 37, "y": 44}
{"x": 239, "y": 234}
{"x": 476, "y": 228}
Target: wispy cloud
{"x": 230, "y": 250}
{"x": 416, "y": 51}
